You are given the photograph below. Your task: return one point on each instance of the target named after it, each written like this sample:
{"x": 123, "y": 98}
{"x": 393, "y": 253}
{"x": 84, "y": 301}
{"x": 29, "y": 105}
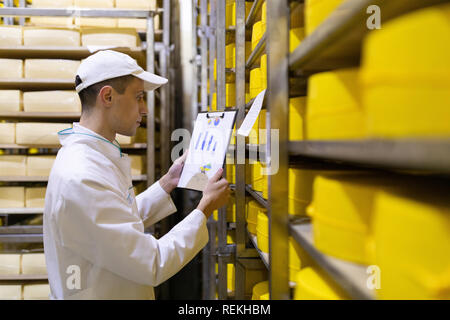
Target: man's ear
{"x": 106, "y": 95}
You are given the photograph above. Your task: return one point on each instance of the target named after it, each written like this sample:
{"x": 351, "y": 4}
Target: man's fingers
{"x": 181, "y": 160}
{"x": 217, "y": 175}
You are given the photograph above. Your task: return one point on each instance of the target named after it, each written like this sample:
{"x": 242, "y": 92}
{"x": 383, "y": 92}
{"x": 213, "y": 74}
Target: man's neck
{"x": 95, "y": 123}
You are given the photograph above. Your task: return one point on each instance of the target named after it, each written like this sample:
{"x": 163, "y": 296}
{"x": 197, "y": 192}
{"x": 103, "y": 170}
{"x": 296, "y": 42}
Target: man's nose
{"x": 143, "y": 110}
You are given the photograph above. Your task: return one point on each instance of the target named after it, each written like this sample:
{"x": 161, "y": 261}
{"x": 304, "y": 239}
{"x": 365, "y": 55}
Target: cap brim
{"x": 151, "y": 81}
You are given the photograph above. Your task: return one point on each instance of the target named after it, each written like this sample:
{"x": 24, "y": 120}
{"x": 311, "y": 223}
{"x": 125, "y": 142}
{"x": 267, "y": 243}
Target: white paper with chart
{"x": 207, "y": 149}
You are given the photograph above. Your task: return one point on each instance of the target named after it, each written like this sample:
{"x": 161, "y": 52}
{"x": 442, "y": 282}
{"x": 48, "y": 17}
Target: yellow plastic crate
{"x": 312, "y": 285}
{"x": 412, "y": 245}
{"x": 405, "y": 76}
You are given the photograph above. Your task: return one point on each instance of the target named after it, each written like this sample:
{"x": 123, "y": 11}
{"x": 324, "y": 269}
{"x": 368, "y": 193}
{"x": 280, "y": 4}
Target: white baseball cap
{"x": 108, "y": 64}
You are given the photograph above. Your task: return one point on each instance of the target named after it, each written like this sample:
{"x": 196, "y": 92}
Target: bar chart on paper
{"x": 209, "y": 143}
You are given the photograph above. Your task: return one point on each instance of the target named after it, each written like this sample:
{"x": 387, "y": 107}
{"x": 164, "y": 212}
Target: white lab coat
{"x": 94, "y": 224}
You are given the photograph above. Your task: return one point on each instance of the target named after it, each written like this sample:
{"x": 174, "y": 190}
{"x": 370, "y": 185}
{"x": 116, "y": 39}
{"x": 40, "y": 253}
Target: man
{"x": 94, "y": 240}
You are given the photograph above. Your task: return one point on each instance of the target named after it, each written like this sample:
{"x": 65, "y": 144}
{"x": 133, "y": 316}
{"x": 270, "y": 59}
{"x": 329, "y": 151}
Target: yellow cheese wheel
{"x": 334, "y": 109}
{"x": 10, "y": 100}
{"x": 313, "y": 285}
{"x": 51, "y": 101}
{"x": 405, "y": 80}
{"x": 40, "y": 166}
{"x": 10, "y": 292}
{"x": 7, "y": 133}
{"x": 9, "y": 263}
{"x": 34, "y": 263}
{"x": 136, "y": 4}
{"x": 137, "y": 164}
{"x": 34, "y": 36}
{"x": 316, "y": 11}
{"x": 297, "y": 115}
{"x": 36, "y": 292}
{"x": 10, "y": 36}
{"x": 412, "y": 244}
{"x": 11, "y": 197}
{"x": 261, "y": 289}
{"x": 109, "y": 37}
{"x": 51, "y": 69}
{"x": 11, "y": 68}
{"x": 13, "y": 165}
{"x": 29, "y": 133}
{"x": 35, "y": 197}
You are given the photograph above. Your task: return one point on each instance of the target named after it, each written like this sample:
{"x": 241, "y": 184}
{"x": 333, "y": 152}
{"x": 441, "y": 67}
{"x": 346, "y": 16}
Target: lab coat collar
{"x": 80, "y": 134}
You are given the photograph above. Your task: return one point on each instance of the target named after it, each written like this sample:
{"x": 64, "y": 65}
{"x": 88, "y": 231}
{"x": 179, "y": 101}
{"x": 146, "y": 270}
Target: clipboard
{"x": 208, "y": 147}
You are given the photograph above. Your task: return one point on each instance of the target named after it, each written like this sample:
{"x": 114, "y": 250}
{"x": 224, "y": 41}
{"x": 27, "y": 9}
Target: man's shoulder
{"x": 78, "y": 162}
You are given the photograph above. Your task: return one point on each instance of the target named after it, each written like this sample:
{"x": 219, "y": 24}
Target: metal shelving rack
{"x": 145, "y": 53}
{"x": 336, "y": 43}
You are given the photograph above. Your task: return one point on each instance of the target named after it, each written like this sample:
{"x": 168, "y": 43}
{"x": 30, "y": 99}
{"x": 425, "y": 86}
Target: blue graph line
{"x": 204, "y": 141}
{"x": 209, "y": 143}
{"x": 198, "y": 140}
{"x": 214, "y": 148}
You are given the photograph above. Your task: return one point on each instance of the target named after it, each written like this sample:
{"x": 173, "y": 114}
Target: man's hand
{"x": 215, "y": 195}
{"x": 170, "y": 180}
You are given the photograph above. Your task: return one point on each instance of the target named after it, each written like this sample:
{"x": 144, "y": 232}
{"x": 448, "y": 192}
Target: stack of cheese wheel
{"x": 334, "y": 110}
{"x": 406, "y": 86}
{"x": 412, "y": 241}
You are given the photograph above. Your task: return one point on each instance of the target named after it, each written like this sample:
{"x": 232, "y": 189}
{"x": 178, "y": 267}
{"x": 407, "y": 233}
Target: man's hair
{"x": 88, "y": 96}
